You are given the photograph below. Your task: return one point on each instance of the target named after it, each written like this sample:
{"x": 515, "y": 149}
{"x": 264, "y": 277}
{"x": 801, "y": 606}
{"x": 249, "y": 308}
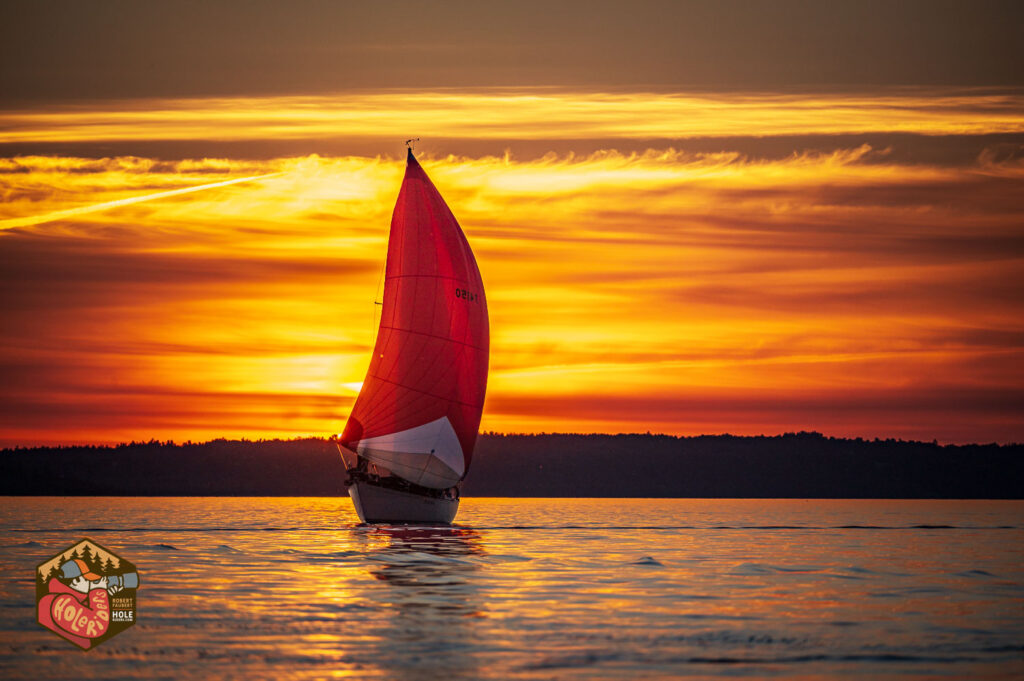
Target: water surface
{"x": 282, "y": 588}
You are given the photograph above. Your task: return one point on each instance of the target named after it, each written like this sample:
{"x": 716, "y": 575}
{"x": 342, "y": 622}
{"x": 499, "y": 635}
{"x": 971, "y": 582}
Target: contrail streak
{"x": 95, "y": 208}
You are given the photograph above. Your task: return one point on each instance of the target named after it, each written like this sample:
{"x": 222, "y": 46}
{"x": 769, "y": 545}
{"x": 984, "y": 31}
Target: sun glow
{"x": 843, "y": 290}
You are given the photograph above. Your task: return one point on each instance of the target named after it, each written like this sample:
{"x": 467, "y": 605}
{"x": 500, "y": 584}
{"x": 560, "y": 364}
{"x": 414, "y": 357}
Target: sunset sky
{"x": 690, "y": 217}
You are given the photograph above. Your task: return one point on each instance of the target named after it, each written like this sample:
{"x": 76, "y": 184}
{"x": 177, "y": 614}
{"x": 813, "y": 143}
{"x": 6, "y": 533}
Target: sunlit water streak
{"x": 535, "y": 589}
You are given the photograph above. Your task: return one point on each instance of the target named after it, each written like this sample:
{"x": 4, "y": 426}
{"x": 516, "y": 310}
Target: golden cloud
{"x": 211, "y": 297}
{"x": 530, "y": 114}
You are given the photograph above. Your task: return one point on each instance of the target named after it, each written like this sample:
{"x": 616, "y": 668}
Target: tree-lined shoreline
{"x": 794, "y": 465}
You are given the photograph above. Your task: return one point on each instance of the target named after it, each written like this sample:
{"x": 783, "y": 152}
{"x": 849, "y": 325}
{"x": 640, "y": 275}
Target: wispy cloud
{"x": 523, "y": 114}
{"x": 663, "y": 290}
{"x": 68, "y": 213}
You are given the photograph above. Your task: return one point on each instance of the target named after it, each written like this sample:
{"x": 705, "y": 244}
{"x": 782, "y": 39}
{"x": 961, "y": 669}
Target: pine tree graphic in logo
{"x": 86, "y": 594}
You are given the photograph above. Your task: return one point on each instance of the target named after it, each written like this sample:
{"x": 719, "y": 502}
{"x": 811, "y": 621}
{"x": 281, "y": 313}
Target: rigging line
{"x": 377, "y": 305}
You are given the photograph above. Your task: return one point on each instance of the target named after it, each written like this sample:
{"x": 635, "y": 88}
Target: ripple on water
{"x": 538, "y": 589}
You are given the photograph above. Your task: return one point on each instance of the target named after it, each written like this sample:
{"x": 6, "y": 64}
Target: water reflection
{"x": 430, "y": 584}
{"x": 541, "y": 589}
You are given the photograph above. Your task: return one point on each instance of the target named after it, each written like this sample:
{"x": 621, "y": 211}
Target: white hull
{"x": 382, "y": 505}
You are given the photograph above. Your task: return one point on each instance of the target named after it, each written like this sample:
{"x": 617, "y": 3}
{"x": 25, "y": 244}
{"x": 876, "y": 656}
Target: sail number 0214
{"x": 466, "y": 295}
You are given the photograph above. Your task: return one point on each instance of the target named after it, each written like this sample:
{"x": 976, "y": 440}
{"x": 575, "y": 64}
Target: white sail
{"x": 428, "y": 455}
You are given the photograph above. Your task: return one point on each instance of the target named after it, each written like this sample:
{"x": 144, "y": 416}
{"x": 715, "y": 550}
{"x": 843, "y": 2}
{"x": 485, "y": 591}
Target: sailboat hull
{"x": 376, "y": 504}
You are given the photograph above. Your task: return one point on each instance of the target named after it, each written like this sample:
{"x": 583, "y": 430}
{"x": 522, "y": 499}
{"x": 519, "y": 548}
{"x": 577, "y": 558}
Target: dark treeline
{"x": 306, "y": 467}
{"x": 800, "y": 465}
{"x": 795, "y": 465}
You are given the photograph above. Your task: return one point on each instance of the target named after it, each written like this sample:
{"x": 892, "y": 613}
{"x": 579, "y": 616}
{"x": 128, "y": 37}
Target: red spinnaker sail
{"x": 419, "y": 409}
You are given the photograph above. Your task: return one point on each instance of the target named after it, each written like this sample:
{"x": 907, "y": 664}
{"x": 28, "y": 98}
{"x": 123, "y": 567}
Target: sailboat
{"x": 409, "y": 439}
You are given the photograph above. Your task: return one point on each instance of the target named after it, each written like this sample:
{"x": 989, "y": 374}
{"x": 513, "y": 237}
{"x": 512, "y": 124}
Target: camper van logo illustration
{"x": 86, "y": 594}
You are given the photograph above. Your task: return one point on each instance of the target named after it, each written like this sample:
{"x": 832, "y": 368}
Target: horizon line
{"x": 330, "y": 438}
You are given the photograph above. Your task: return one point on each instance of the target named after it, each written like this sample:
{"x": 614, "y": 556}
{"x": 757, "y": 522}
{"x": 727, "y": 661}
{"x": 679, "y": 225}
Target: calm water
{"x": 535, "y": 589}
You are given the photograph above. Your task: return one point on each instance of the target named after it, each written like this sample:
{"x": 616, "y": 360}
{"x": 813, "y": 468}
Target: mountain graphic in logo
{"x": 86, "y": 594}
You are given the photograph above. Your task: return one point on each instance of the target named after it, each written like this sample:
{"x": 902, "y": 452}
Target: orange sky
{"x": 845, "y": 287}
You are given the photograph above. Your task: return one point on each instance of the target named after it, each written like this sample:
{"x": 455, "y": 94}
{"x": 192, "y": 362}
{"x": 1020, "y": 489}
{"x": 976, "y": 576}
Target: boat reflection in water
{"x": 430, "y": 580}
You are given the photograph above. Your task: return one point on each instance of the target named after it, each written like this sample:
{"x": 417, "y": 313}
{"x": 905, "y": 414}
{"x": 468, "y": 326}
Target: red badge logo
{"x": 86, "y": 594}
